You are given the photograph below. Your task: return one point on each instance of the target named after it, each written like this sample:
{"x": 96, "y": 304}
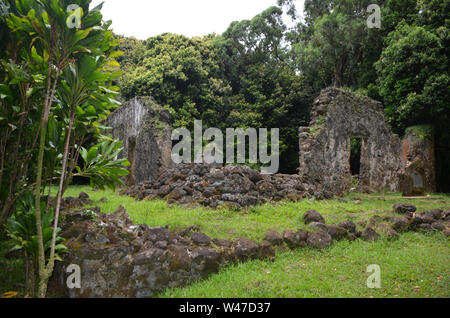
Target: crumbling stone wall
{"x": 418, "y": 161}
{"x": 118, "y": 258}
{"x": 336, "y": 117}
{"x": 144, "y": 128}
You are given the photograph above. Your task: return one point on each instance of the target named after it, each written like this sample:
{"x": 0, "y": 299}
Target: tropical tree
{"x": 413, "y": 77}
{"x": 59, "y": 55}
{"x": 182, "y": 75}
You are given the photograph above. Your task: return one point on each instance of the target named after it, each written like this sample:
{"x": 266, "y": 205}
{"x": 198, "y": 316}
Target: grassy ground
{"x": 416, "y": 265}
{"x": 410, "y": 267}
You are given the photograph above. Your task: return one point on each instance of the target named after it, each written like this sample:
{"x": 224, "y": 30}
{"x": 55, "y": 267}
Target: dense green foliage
{"x": 413, "y": 77}
{"x": 244, "y": 78}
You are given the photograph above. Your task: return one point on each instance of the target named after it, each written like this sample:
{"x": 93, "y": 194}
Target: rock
{"x": 75, "y": 230}
{"x": 120, "y": 217}
{"x": 178, "y": 258}
{"x": 313, "y": 216}
{"x": 157, "y": 234}
{"x": 425, "y": 227}
{"x": 163, "y": 191}
{"x": 351, "y": 236}
{"x": 446, "y": 215}
{"x": 422, "y": 219}
{"x": 447, "y": 231}
{"x": 151, "y": 256}
{"x": 337, "y": 233}
{"x": 370, "y": 235}
{"x": 400, "y": 224}
{"x": 205, "y": 261}
{"x": 348, "y": 225}
{"x": 435, "y": 214}
{"x": 387, "y": 218}
{"x": 319, "y": 239}
{"x": 266, "y": 250}
{"x": 189, "y": 230}
{"x": 406, "y": 185}
{"x": 388, "y": 231}
{"x": 246, "y": 249}
{"x": 318, "y": 225}
{"x": 319, "y": 195}
{"x": 176, "y": 194}
{"x": 295, "y": 239}
{"x": 201, "y": 239}
{"x": 235, "y": 187}
{"x": 374, "y": 220}
{"x": 96, "y": 238}
{"x": 83, "y": 196}
{"x": 161, "y": 245}
{"x": 70, "y": 203}
{"x": 438, "y": 226}
{"x": 273, "y": 237}
{"x": 404, "y": 208}
{"x": 223, "y": 243}
{"x": 328, "y": 195}
{"x": 362, "y": 223}
{"x": 80, "y": 216}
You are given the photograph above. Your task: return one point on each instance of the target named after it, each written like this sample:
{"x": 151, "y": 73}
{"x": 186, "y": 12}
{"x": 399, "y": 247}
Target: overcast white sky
{"x": 145, "y": 18}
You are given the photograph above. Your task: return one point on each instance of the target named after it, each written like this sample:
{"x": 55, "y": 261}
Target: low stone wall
{"x": 232, "y": 186}
{"x": 120, "y": 259}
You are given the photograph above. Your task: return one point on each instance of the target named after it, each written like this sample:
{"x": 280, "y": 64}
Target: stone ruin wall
{"x": 418, "y": 161}
{"x": 144, "y": 128}
{"x": 336, "y": 117}
{"x": 387, "y": 163}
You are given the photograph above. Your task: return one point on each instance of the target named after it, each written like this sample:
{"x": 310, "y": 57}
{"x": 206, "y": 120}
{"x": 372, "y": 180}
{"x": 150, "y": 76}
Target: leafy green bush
{"x": 21, "y": 229}
{"x": 101, "y": 165}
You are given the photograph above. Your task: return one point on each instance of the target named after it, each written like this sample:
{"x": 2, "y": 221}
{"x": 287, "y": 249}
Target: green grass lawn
{"x": 416, "y": 265}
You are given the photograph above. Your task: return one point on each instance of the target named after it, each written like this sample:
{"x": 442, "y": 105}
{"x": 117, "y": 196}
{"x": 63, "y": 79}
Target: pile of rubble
{"x": 232, "y": 186}
{"x": 69, "y": 203}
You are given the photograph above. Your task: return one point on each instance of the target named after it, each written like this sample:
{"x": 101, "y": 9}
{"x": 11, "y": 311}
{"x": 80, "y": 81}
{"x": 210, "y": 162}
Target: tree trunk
{"x": 43, "y": 273}
{"x": 51, "y": 261}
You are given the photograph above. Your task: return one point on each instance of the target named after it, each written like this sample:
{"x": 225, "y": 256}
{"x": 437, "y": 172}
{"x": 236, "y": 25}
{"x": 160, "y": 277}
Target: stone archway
{"x": 336, "y": 117}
